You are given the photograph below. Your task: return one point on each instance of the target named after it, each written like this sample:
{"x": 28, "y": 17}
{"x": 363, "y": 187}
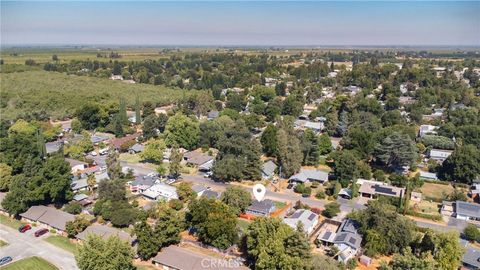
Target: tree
{"x": 91, "y": 116}
{"x": 153, "y": 151}
{"x": 182, "y": 131}
{"x": 408, "y": 260}
{"x": 118, "y": 127}
{"x": 168, "y": 227}
{"x": 323, "y": 262}
{"x": 138, "y": 114}
{"x": 269, "y": 140}
{"x": 5, "y": 176}
{"x": 55, "y": 57}
{"x": 471, "y": 233}
{"x": 345, "y": 167}
{"x": 150, "y": 127}
{"x": 228, "y": 168}
{"x": 185, "y": 192}
{"x": 463, "y": 165}
{"x": 73, "y": 208}
{"x": 331, "y": 209}
{"x": 289, "y": 153}
{"x": 147, "y": 244}
{"x": 114, "y": 169}
{"x": 112, "y": 254}
{"x": 237, "y": 198}
{"x": 174, "y": 164}
{"x": 215, "y": 222}
{"x": 78, "y": 225}
{"x": 148, "y": 109}
{"x": 122, "y": 112}
{"x": 396, "y": 150}
{"x": 310, "y": 148}
{"x": 91, "y": 182}
{"x": 286, "y": 250}
{"x": 324, "y": 144}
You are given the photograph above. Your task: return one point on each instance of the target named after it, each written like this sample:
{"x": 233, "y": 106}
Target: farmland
{"x": 59, "y": 95}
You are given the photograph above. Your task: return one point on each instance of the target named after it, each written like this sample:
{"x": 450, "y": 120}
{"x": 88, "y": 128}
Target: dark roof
{"x": 349, "y": 225}
{"x": 349, "y": 239}
{"x": 143, "y": 180}
{"x": 48, "y": 215}
{"x": 265, "y": 206}
{"x": 104, "y": 232}
{"x": 385, "y": 190}
{"x": 197, "y": 158}
{"x": 467, "y": 209}
{"x": 269, "y": 168}
{"x": 179, "y": 258}
{"x": 117, "y": 142}
{"x": 471, "y": 257}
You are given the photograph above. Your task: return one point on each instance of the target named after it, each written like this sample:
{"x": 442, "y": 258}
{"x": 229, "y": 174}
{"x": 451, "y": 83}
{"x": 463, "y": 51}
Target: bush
{"x": 73, "y": 208}
{"x": 307, "y": 191}
{"x": 435, "y": 217}
{"x": 314, "y": 185}
{"x": 300, "y": 188}
{"x": 175, "y": 204}
{"x": 472, "y": 233}
{"x": 320, "y": 195}
{"x": 331, "y": 210}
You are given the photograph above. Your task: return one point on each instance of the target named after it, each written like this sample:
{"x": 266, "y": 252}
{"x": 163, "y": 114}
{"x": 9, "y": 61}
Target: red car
{"x": 41, "y": 232}
{"x": 24, "y": 228}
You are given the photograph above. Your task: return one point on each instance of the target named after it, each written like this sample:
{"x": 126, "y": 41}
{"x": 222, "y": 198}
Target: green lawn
{"x": 3, "y": 243}
{"x": 279, "y": 205}
{"x": 63, "y": 243}
{"x": 145, "y": 267}
{"x": 10, "y": 222}
{"x": 131, "y": 158}
{"x": 31, "y": 263}
{"x": 60, "y": 95}
{"x": 243, "y": 224}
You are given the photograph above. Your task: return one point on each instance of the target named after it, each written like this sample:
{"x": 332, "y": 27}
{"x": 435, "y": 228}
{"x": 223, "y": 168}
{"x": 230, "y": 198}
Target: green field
{"x": 60, "y": 94}
{"x": 63, "y": 243}
{"x": 29, "y": 264}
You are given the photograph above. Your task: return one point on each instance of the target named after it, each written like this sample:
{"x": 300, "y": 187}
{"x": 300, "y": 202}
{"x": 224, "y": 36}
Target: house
{"x": 346, "y": 239}
{"x": 116, "y": 143}
{"x": 268, "y": 169}
{"x": 332, "y": 74}
{"x": 142, "y": 183}
{"x": 160, "y": 191}
{"x": 371, "y": 189}
{"x": 210, "y": 194}
{"x": 305, "y": 176}
{"x": 105, "y": 232}
{"x": 97, "y": 138}
{"x": 261, "y": 208}
{"x": 428, "y": 176}
{"x": 352, "y": 89}
{"x": 427, "y": 130}
{"x": 52, "y": 147}
{"x": 308, "y": 219}
{"x": 306, "y": 124}
{"x": 447, "y": 209}
{"x": 178, "y": 258}
{"x": 467, "y": 211}
{"x": 212, "y": 115}
{"x": 50, "y": 217}
{"x": 82, "y": 199}
{"x": 76, "y": 165}
{"x": 196, "y": 158}
{"x": 345, "y": 193}
{"x": 440, "y": 155}
{"x": 136, "y": 148}
{"x": 206, "y": 167}
{"x": 471, "y": 258}
{"x": 199, "y": 189}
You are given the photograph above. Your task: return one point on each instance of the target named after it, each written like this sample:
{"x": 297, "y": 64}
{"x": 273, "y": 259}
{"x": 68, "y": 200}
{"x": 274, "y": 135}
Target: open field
{"x": 63, "y": 243}
{"x": 10, "y": 222}
{"x": 60, "y": 94}
{"x": 435, "y": 191}
{"x": 29, "y": 264}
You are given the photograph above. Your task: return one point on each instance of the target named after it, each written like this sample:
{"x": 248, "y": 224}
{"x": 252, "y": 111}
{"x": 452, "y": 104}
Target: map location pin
{"x": 259, "y": 191}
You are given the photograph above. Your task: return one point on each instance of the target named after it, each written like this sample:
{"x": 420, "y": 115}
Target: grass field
{"x": 10, "y": 222}
{"x": 435, "y": 191}
{"x": 63, "y": 243}
{"x": 29, "y": 264}
{"x": 60, "y": 94}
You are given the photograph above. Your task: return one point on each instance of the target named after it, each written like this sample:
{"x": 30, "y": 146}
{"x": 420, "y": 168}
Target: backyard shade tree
{"x": 396, "y": 150}
{"x": 182, "y": 131}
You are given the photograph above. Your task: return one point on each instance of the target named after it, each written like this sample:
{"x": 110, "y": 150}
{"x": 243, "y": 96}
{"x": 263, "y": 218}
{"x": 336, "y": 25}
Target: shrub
{"x": 300, "y": 188}
{"x": 331, "y": 210}
{"x": 320, "y": 195}
{"x": 73, "y": 208}
{"x": 472, "y": 233}
{"x": 175, "y": 204}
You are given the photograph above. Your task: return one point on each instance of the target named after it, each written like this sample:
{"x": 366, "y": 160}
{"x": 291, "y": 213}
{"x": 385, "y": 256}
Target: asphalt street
{"x": 24, "y": 245}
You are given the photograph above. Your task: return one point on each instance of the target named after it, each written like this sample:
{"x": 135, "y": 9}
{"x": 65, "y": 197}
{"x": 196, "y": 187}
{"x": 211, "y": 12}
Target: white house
{"x": 308, "y": 219}
{"x": 439, "y": 154}
{"x": 427, "y": 130}
{"x": 160, "y": 191}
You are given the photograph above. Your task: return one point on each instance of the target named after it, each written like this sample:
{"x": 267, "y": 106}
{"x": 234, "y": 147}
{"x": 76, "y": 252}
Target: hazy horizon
{"x": 230, "y": 24}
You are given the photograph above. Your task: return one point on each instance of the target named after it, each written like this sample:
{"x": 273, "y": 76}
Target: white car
{"x": 208, "y": 175}
{"x": 93, "y": 153}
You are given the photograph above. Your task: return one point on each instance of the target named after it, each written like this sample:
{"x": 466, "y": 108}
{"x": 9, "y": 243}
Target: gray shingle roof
{"x": 263, "y": 207}
{"x": 467, "y": 209}
{"x": 471, "y": 257}
{"x": 311, "y": 175}
{"x": 104, "y": 232}
{"x": 48, "y": 215}
{"x": 268, "y": 168}
{"x": 306, "y": 217}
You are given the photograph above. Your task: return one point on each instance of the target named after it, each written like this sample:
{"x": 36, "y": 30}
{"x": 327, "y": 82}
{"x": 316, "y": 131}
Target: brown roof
{"x": 117, "y": 142}
{"x": 104, "y": 232}
{"x": 196, "y": 158}
{"x": 179, "y": 258}
{"x": 48, "y": 215}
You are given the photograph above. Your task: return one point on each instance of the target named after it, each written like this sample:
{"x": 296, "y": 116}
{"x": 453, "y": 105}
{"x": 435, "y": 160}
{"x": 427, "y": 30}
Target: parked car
{"x": 93, "y": 153}
{"x": 208, "y": 174}
{"x": 24, "y": 228}
{"x": 41, "y": 232}
{"x": 290, "y": 186}
{"x": 5, "y": 260}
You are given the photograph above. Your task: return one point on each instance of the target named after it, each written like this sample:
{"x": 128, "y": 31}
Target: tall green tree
{"x": 324, "y": 144}
{"x": 153, "y": 151}
{"x": 138, "y": 113}
{"x": 289, "y": 153}
{"x": 175, "y": 162}
{"x": 269, "y": 140}
{"x": 237, "y": 198}
{"x": 182, "y": 131}
{"x": 463, "y": 165}
{"x": 110, "y": 254}
{"x": 396, "y": 150}
{"x": 310, "y": 148}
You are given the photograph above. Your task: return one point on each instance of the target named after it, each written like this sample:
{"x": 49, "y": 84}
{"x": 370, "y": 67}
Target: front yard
{"x": 10, "y": 222}
{"x": 29, "y": 264}
{"x": 63, "y": 243}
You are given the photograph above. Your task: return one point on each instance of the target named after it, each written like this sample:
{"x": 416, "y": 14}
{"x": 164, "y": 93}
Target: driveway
{"x": 24, "y": 245}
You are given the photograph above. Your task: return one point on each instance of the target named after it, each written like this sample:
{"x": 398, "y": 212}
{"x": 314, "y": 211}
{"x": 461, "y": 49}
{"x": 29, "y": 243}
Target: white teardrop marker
{"x": 259, "y": 191}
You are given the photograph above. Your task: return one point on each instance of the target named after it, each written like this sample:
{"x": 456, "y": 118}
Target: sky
{"x": 231, "y": 23}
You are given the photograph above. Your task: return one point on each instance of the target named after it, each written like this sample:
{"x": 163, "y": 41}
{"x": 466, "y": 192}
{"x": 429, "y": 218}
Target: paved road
{"x": 453, "y": 224}
{"x": 26, "y": 245}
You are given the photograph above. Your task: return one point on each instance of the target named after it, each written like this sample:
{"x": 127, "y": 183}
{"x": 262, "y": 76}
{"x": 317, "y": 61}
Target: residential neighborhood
{"x": 120, "y": 153}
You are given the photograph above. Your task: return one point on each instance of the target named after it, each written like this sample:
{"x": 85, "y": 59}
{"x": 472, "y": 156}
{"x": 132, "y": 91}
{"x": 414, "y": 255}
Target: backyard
{"x": 63, "y": 243}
